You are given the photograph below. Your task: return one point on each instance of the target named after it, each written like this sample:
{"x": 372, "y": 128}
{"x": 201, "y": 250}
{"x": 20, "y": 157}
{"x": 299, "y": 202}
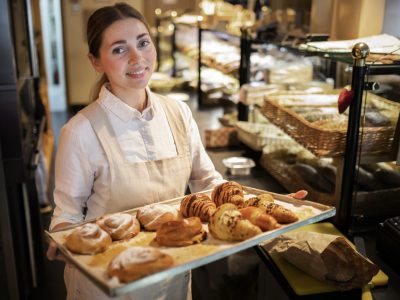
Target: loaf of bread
{"x": 197, "y": 205}
{"x": 228, "y": 192}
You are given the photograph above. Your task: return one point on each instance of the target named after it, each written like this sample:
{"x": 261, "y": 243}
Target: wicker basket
{"x": 291, "y": 181}
{"x": 329, "y": 143}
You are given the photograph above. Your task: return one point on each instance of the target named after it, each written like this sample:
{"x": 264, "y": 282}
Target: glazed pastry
{"x": 228, "y": 224}
{"x": 228, "y": 192}
{"x": 281, "y": 214}
{"x": 197, "y": 205}
{"x": 88, "y": 239}
{"x": 137, "y": 262}
{"x": 152, "y": 216}
{"x": 259, "y": 218}
{"x": 181, "y": 233}
{"x": 120, "y": 226}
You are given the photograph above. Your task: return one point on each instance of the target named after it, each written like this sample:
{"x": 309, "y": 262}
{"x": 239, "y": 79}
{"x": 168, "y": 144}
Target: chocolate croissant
{"x": 197, "y": 205}
{"x": 228, "y": 192}
{"x": 281, "y": 214}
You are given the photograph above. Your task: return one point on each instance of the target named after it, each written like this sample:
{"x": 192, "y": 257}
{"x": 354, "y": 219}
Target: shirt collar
{"x": 123, "y": 111}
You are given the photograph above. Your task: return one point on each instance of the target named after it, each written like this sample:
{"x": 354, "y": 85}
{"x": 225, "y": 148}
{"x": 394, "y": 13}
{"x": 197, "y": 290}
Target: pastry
{"x": 137, "y": 262}
{"x": 228, "y": 224}
{"x": 197, "y": 205}
{"x": 261, "y": 200}
{"x": 228, "y": 192}
{"x": 281, "y": 214}
{"x": 152, "y": 216}
{"x": 120, "y": 226}
{"x": 180, "y": 233}
{"x": 88, "y": 239}
{"x": 259, "y": 218}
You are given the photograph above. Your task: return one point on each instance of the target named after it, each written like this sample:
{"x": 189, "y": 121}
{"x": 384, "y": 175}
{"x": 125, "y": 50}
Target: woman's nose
{"x": 134, "y": 57}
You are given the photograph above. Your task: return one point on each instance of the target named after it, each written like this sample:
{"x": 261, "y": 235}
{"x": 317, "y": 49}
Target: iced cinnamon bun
{"x": 152, "y": 216}
{"x": 88, "y": 239}
{"x": 137, "y": 262}
{"x": 120, "y": 226}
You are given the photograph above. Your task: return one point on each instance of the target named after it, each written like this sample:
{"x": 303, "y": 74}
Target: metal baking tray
{"x": 186, "y": 258}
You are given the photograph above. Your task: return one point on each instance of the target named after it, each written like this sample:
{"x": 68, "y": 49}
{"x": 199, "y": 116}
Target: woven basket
{"x": 291, "y": 181}
{"x": 325, "y": 142}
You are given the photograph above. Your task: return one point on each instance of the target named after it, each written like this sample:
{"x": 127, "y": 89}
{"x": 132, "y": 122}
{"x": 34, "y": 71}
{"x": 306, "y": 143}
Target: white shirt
{"x": 81, "y": 161}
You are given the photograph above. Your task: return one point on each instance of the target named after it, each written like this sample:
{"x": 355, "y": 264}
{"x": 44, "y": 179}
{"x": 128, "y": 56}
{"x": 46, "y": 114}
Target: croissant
{"x": 197, "y": 205}
{"x": 228, "y": 224}
{"x": 228, "y": 192}
{"x": 281, "y": 214}
{"x": 261, "y": 200}
{"x": 259, "y": 218}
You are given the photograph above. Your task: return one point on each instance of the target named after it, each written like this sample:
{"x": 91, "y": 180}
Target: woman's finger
{"x": 53, "y": 253}
{"x": 299, "y": 194}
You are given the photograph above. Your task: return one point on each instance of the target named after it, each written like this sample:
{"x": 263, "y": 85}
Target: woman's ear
{"x": 95, "y": 63}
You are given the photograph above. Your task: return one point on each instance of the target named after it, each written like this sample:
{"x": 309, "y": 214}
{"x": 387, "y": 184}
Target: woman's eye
{"x": 144, "y": 43}
{"x": 118, "y": 50}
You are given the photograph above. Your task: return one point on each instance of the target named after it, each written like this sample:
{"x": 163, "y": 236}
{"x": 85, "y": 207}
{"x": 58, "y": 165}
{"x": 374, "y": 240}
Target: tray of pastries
{"x": 124, "y": 251}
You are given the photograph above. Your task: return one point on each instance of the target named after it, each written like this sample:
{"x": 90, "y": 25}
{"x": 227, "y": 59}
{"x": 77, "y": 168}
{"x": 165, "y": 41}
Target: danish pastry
{"x": 228, "y": 224}
{"x": 88, "y": 239}
{"x": 181, "y": 233}
{"x": 152, "y": 216}
{"x": 120, "y": 226}
{"x": 197, "y": 205}
{"x": 137, "y": 262}
{"x": 228, "y": 192}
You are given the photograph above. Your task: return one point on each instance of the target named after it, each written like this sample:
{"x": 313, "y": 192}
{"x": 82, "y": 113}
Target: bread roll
{"x": 228, "y": 224}
{"x": 197, "y": 205}
{"x": 228, "y": 192}
{"x": 152, "y": 216}
{"x": 88, "y": 239}
{"x": 181, "y": 233}
{"x": 137, "y": 262}
{"x": 120, "y": 226}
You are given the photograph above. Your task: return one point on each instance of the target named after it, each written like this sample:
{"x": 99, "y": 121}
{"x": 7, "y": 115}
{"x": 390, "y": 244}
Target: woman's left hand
{"x": 299, "y": 194}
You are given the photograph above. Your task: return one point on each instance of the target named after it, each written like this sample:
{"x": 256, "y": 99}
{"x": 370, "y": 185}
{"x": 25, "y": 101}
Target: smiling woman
{"x": 128, "y": 148}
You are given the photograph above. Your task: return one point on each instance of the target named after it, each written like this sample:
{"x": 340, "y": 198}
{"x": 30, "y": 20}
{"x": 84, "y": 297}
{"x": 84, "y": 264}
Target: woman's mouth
{"x": 136, "y": 73}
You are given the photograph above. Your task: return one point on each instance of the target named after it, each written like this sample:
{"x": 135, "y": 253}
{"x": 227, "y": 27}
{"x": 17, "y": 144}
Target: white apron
{"x": 137, "y": 184}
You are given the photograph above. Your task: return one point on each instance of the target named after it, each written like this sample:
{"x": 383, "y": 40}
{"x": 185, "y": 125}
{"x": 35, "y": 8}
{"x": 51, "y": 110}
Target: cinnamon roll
{"x": 152, "y": 216}
{"x": 88, "y": 239}
{"x": 120, "y": 226}
{"x": 136, "y": 262}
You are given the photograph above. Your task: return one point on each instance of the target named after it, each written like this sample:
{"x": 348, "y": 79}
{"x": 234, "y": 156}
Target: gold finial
{"x": 360, "y": 52}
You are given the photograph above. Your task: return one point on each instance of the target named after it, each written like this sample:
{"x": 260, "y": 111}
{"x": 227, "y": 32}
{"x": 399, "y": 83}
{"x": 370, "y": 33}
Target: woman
{"x": 130, "y": 147}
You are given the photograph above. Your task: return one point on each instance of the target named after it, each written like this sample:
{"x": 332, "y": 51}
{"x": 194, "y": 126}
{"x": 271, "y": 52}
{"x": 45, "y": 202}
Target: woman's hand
{"x": 299, "y": 194}
{"x": 52, "y": 252}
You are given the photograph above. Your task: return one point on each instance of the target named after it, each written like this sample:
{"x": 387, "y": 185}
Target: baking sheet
{"x": 185, "y": 258}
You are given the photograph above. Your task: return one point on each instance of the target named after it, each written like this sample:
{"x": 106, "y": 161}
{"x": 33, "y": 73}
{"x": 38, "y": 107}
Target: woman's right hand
{"x": 52, "y": 252}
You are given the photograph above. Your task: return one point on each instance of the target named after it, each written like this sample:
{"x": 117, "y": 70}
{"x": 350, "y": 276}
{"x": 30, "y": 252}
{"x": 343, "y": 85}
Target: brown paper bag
{"x": 325, "y": 257}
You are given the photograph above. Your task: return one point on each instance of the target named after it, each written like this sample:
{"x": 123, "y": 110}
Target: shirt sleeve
{"x": 204, "y": 175}
{"x": 74, "y": 176}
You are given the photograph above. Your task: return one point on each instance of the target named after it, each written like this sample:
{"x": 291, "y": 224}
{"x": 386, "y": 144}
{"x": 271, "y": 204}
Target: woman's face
{"x": 127, "y": 55}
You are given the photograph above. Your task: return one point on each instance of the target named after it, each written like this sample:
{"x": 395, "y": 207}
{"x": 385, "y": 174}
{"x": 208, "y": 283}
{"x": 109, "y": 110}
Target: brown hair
{"x": 98, "y": 22}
